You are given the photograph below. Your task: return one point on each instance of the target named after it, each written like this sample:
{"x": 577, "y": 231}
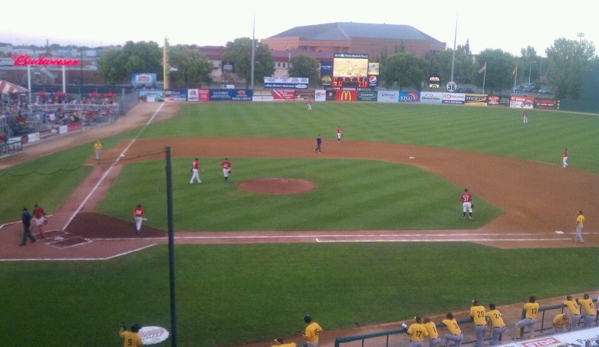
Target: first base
{"x": 559, "y": 232}
{"x": 412, "y": 157}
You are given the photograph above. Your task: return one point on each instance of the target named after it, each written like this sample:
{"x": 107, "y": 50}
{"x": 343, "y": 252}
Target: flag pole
{"x": 515, "y": 76}
{"x": 484, "y": 77}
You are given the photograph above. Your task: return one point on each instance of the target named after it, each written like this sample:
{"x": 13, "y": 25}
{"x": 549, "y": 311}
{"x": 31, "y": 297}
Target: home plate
{"x": 59, "y": 238}
{"x": 559, "y": 232}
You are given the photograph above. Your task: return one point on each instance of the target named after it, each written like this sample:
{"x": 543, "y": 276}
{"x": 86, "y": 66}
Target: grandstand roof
{"x": 343, "y": 31}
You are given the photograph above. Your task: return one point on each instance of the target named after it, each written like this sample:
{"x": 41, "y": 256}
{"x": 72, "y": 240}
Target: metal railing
{"x": 392, "y": 338}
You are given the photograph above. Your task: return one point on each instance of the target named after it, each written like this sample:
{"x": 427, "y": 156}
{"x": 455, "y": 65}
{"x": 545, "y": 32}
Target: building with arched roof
{"x": 349, "y": 37}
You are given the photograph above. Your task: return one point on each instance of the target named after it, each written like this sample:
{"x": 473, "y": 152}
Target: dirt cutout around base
{"x": 284, "y": 186}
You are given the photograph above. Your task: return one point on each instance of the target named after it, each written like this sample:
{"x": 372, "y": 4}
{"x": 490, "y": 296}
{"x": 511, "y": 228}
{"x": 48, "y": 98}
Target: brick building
{"x": 348, "y": 37}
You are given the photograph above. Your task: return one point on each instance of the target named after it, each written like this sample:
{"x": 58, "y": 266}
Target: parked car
{"x": 463, "y": 90}
{"x": 545, "y": 90}
{"x": 517, "y": 92}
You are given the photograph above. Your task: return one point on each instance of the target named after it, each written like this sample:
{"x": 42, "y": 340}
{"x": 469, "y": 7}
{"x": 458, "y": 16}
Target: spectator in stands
{"x": 561, "y": 322}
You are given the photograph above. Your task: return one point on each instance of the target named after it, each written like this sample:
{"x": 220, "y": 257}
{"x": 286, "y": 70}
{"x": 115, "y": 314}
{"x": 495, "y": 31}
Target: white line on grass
{"x": 80, "y": 259}
{"x": 110, "y": 168}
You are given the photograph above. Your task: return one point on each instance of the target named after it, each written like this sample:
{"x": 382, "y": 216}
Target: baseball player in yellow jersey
{"x": 97, "y": 150}
{"x": 531, "y": 308}
{"x": 579, "y": 226}
{"x": 477, "y": 313}
{"x": 433, "y": 334}
{"x": 497, "y": 324}
{"x": 574, "y": 311}
{"x": 132, "y": 338}
{"x": 588, "y": 310}
{"x": 312, "y": 333}
{"x": 417, "y": 332}
{"x": 455, "y": 333}
{"x": 279, "y": 343}
{"x": 561, "y": 323}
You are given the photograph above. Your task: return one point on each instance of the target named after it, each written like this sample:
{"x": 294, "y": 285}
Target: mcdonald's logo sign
{"x": 346, "y": 95}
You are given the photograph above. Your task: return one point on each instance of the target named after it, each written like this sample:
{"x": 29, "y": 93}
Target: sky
{"x": 507, "y": 25}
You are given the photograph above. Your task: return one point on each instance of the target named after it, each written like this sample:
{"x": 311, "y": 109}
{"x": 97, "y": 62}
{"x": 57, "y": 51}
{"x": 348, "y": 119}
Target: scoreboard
{"x": 350, "y": 82}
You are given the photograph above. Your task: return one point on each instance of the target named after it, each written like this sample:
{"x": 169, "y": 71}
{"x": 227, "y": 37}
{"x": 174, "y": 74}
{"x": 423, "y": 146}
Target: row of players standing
{"x": 562, "y": 322}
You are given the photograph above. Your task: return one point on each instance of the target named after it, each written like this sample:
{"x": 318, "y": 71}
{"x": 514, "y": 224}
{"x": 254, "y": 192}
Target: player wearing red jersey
{"x": 466, "y": 200}
{"x": 339, "y": 134}
{"x": 40, "y": 216}
{"x": 138, "y": 215}
{"x": 226, "y": 164}
{"x": 195, "y": 169}
{"x": 565, "y": 158}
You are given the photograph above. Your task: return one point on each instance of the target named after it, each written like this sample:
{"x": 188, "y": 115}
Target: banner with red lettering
{"x": 283, "y": 94}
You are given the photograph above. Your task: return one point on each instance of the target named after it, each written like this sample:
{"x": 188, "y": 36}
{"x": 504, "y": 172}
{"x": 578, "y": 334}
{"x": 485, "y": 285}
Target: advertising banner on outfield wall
{"x": 151, "y": 95}
{"x": 577, "y": 338}
{"x": 320, "y": 95}
{"x": 175, "y": 95}
{"x": 498, "y": 100}
{"x": 231, "y": 94}
{"x": 387, "y": 96}
{"x": 548, "y": 104}
{"x": 367, "y": 95}
{"x": 304, "y": 94}
{"x": 522, "y": 102}
{"x": 262, "y": 95}
{"x": 346, "y": 95}
{"x": 409, "y": 97}
{"x": 283, "y": 94}
{"x": 476, "y": 99}
{"x": 454, "y": 98}
{"x": 431, "y": 97}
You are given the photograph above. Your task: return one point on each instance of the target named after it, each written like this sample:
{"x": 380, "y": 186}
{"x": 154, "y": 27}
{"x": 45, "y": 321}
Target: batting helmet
{"x": 135, "y": 327}
{"x": 307, "y": 318}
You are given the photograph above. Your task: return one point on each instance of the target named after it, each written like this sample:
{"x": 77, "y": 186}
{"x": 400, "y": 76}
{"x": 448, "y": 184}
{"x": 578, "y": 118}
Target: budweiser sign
{"x": 24, "y": 60}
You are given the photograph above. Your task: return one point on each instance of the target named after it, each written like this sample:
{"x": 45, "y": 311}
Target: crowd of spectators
{"x": 19, "y": 117}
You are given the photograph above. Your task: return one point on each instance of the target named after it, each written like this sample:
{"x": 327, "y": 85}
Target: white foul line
{"x": 110, "y": 168}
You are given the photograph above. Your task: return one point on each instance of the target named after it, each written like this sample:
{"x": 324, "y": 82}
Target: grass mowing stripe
{"x": 488, "y": 130}
{"x": 231, "y": 290}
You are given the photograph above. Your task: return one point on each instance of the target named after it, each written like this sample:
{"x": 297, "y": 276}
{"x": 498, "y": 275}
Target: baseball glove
{"x": 45, "y": 221}
{"x": 472, "y": 205}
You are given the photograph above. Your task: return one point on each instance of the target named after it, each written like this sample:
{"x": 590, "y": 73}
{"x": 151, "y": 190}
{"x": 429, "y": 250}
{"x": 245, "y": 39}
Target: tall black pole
{"x": 171, "y": 244}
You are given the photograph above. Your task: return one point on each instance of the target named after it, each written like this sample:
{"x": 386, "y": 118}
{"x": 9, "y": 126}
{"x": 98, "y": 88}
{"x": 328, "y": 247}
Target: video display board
{"x": 350, "y": 70}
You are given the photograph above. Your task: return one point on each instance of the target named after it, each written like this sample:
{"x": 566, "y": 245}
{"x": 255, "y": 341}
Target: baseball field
{"x": 378, "y": 238}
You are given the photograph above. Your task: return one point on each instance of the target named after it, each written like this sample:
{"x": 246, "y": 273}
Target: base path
{"x": 538, "y": 199}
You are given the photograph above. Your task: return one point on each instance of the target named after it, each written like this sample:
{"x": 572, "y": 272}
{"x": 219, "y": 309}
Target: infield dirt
{"x": 537, "y": 198}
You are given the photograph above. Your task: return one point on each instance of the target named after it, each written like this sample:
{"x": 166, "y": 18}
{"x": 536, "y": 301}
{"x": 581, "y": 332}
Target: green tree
{"x": 404, "y": 70}
{"x": 463, "y": 66}
{"x": 528, "y": 62}
{"x": 141, "y": 57}
{"x": 567, "y": 60}
{"x": 190, "y": 67}
{"x": 500, "y": 66}
{"x": 305, "y": 66}
{"x": 239, "y": 52}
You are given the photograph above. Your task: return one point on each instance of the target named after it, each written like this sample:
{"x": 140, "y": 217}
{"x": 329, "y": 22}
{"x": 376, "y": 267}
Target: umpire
{"x": 26, "y": 219}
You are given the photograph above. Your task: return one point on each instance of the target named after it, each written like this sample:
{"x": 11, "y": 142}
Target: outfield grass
{"x": 235, "y": 293}
{"x": 230, "y": 294}
{"x": 352, "y": 195}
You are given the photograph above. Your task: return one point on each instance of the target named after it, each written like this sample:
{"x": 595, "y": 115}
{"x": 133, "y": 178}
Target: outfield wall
{"x": 349, "y": 95}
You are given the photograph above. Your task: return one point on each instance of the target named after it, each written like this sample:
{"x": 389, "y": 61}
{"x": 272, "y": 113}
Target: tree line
{"x": 562, "y": 69}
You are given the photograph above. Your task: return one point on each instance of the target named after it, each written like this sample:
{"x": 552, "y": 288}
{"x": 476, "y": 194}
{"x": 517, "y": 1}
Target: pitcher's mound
{"x": 277, "y": 186}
